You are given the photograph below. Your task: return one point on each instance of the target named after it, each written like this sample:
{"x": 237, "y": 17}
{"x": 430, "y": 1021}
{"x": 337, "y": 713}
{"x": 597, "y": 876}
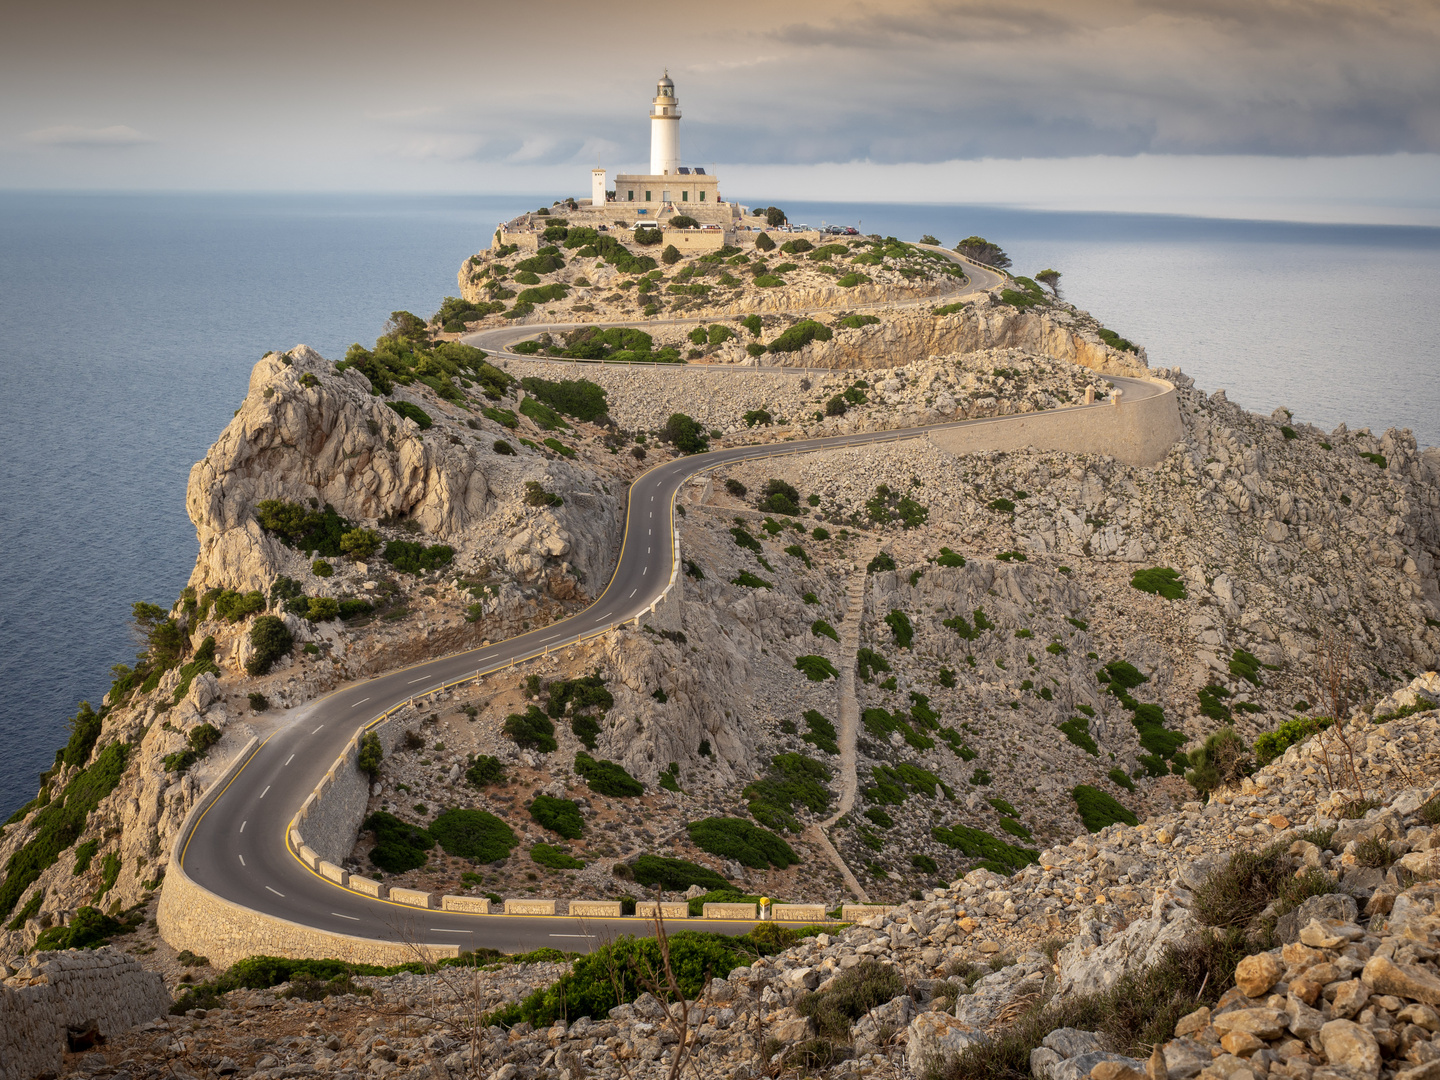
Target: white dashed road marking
{"x": 266, "y": 791}
{"x": 362, "y": 702}
{"x": 277, "y": 892}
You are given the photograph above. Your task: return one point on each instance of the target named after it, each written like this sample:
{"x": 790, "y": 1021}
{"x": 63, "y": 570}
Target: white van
{"x": 647, "y": 225}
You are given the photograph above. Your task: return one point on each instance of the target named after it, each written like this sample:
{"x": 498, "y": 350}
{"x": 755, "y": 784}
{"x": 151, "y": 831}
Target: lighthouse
{"x": 665, "y": 129}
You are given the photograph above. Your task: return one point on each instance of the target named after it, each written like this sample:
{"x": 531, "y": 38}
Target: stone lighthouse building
{"x": 668, "y": 187}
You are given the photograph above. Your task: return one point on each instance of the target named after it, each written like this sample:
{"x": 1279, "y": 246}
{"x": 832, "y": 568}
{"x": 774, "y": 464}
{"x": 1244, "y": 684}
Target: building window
{"x": 647, "y": 196}
{"x": 702, "y": 196}
{"x": 632, "y": 196}
{"x": 684, "y": 196}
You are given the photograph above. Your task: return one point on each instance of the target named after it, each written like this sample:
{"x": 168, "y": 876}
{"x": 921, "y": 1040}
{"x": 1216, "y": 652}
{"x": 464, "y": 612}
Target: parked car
{"x": 850, "y": 231}
{"x": 801, "y": 228}
{"x": 834, "y": 230}
{"x": 712, "y": 228}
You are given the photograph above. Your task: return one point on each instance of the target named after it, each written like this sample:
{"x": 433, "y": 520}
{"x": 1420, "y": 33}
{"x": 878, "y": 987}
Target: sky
{"x": 1292, "y": 109}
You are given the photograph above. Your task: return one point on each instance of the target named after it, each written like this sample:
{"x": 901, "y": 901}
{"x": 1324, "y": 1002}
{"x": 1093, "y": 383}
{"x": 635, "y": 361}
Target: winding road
{"x": 235, "y": 843}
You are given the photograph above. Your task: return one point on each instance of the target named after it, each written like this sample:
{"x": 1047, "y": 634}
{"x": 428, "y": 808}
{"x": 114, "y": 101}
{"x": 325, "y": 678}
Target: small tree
{"x": 360, "y": 544}
{"x": 928, "y": 239}
{"x": 764, "y": 243}
{"x": 775, "y": 217}
{"x": 671, "y": 255}
{"x": 682, "y": 221}
{"x": 272, "y": 641}
{"x": 983, "y": 251}
{"x": 685, "y": 433}
{"x": 646, "y": 237}
{"x": 371, "y": 754}
{"x": 1051, "y": 280}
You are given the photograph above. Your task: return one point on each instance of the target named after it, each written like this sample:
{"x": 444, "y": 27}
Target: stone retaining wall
{"x": 1135, "y": 432}
{"x": 192, "y": 917}
{"x": 645, "y": 909}
{"x": 71, "y": 989}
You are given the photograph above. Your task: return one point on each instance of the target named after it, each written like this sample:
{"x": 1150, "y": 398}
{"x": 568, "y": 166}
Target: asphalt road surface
{"x": 239, "y": 849}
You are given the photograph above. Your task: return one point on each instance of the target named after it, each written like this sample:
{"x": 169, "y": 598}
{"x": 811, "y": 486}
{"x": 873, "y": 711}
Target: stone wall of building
{"x": 79, "y": 988}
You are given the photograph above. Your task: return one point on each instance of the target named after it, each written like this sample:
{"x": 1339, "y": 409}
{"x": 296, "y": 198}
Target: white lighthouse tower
{"x": 665, "y": 129}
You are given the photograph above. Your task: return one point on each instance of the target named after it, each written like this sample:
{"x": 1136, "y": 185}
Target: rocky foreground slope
{"x": 1294, "y": 926}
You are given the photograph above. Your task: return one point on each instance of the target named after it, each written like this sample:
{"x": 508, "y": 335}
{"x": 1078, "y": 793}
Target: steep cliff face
{"x": 310, "y": 435}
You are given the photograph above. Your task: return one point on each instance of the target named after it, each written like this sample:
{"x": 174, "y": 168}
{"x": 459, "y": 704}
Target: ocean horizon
{"x": 132, "y": 321}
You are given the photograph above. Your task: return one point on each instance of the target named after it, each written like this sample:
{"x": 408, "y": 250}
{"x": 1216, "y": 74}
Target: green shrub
{"x": 560, "y": 816}
{"x": 1376, "y": 459}
{"x": 503, "y": 448}
{"x": 546, "y": 418}
{"x": 1161, "y": 580}
{"x": 412, "y": 557}
{"x": 535, "y": 495}
{"x": 485, "y": 771}
{"x": 816, "y": 668}
{"x": 313, "y": 531}
{"x": 995, "y": 855}
{"x": 853, "y": 993}
{"x": 821, "y": 628}
{"x": 370, "y": 755}
{"x": 1212, "y": 703}
{"x": 821, "y": 733}
{"x": 109, "y": 873}
{"x": 779, "y": 497}
{"x": 399, "y": 846}
{"x": 322, "y": 609}
{"x": 580, "y": 398}
{"x": 1098, "y": 809}
{"x": 1121, "y": 778}
{"x": 1222, "y": 759}
{"x": 555, "y": 858}
{"x": 587, "y": 730}
{"x": 675, "y": 875}
{"x": 258, "y": 701}
{"x": 359, "y": 544}
{"x": 800, "y": 335}
{"x": 750, "y": 581}
{"x": 747, "y": 844}
{"x": 84, "y": 853}
{"x": 272, "y": 641}
{"x": 88, "y": 929}
{"x": 900, "y": 627}
{"x": 854, "y": 322}
{"x": 504, "y": 417}
{"x": 867, "y": 660}
{"x": 1245, "y": 665}
{"x": 1078, "y": 732}
{"x": 949, "y": 558}
{"x": 531, "y": 729}
{"x": 1271, "y": 744}
{"x": 353, "y": 608}
{"x": 791, "y": 779}
{"x": 685, "y": 433}
{"x": 414, "y": 412}
{"x": 647, "y": 237}
{"x": 473, "y": 834}
{"x": 606, "y": 777}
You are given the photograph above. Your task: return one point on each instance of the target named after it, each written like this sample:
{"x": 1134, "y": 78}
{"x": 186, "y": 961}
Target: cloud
{"x": 74, "y": 136}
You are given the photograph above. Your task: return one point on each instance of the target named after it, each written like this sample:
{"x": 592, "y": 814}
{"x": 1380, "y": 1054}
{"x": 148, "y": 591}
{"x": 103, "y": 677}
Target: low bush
{"x": 1098, "y": 809}
{"x": 747, "y": 844}
{"x": 1121, "y": 778}
{"x": 900, "y": 628}
{"x": 531, "y": 729}
{"x": 271, "y": 640}
{"x": 555, "y": 858}
{"x": 1078, "y": 732}
{"x": 606, "y": 777}
{"x": 1223, "y": 759}
{"x": 995, "y": 855}
{"x": 354, "y": 607}
{"x": 89, "y": 928}
{"x": 853, "y": 993}
{"x": 685, "y": 433}
{"x": 473, "y": 834}
{"x": 854, "y": 322}
{"x": 580, "y": 398}
{"x": 399, "y": 846}
{"x": 504, "y": 417}
{"x": 821, "y": 628}
{"x": 587, "y": 729}
{"x": 821, "y": 732}
{"x": 536, "y": 495}
{"x": 675, "y": 875}
{"x": 412, "y": 557}
{"x": 485, "y": 771}
{"x": 816, "y": 668}
{"x": 867, "y": 660}
{"x": 747, "y": 580}
{"x": 791, "y": 779}
{"x": 1160, "y": 580}
{"x": 546, "y": 418}
{"x": 1271, "y": 744}
{"x": 560, "y": 816}
{"x": 883, "y": 561}
{"x": 800, "y": 335}
{"x": 949, "y": 558}
{"x": 779, "y": 497}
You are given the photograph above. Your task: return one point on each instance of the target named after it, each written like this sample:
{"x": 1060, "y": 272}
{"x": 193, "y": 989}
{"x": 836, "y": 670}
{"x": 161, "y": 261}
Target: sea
{"x": 129, "y": 324}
